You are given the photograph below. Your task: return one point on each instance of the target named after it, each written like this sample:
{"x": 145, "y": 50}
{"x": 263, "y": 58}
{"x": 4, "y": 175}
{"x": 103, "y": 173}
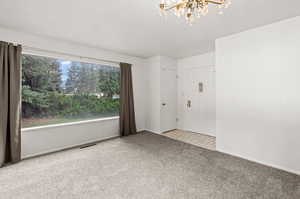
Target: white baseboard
{"x": 156, "y": 132}
{"x": 261, "y": 162}
{"x": 203, "y": 133}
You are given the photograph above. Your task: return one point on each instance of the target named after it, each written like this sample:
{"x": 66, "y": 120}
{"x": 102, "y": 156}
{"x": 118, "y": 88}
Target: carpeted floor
{"x": 144, "y": 166}
{"x": 197, "y": 139}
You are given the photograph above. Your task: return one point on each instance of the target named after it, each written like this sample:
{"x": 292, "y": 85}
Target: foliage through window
{"x": 58, "y": 91}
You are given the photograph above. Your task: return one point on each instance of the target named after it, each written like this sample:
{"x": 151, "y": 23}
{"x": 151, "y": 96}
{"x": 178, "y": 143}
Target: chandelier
{"x": 191, "y": 8}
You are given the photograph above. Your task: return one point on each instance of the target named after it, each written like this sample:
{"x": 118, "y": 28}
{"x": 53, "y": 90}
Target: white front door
{"x": 168, "y": 99}
{"x": 198, "y": 99}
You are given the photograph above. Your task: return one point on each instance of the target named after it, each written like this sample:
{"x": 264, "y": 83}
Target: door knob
{"x": 164, "y": 104}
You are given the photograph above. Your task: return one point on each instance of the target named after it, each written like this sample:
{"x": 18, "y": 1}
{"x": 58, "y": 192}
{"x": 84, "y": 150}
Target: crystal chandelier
{"x": 191, "y": 8}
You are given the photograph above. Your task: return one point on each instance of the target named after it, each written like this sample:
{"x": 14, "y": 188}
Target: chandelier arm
{"x": 174, "y": 6}
{"x": 215, "y": 2}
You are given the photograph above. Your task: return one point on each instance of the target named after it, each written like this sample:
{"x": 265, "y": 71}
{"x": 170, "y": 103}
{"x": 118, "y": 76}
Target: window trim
{"x": 67, "y": 57}
{"x": 68, "y": 124}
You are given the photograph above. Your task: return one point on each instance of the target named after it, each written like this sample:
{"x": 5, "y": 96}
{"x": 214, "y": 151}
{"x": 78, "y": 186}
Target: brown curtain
{"x": 10, "y": 103}
{"x": 127, "y": 115}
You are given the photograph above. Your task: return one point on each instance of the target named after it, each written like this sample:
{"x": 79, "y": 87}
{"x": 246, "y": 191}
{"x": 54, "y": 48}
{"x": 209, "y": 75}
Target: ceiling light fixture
{"x": 191, "y": 8}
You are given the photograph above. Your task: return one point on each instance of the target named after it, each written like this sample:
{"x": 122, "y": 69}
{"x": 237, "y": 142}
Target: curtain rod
{"x": 68, "y": 54}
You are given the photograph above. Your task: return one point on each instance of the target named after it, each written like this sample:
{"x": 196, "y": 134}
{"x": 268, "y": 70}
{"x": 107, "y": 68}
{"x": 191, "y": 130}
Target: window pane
{"x": 58, "y": 91}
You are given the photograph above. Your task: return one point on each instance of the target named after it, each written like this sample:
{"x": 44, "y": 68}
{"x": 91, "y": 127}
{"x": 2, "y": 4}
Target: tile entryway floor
{"x": 197, "y": 139}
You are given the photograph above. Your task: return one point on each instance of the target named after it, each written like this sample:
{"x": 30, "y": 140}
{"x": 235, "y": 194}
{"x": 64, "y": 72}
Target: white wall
{"x": 203, "y": 61}
{"x": 258, "y": 98}
{"x": 50, "y": 44}
{"x": 36, "y": 141}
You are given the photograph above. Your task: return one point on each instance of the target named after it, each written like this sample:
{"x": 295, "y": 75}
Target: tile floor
{"x": 201, "y": 140}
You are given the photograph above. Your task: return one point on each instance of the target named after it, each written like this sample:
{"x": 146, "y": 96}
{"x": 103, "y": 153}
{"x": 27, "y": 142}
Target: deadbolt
{"x": 189, "y": 103}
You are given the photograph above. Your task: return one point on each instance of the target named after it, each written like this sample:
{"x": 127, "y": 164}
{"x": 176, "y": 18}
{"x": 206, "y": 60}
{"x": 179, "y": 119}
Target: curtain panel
{"x": 127, "y": 114}
{"x": 10, "y": 103}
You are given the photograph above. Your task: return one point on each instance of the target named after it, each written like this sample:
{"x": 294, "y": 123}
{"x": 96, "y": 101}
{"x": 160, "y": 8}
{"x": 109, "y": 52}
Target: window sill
{"x": 69, "y": 124}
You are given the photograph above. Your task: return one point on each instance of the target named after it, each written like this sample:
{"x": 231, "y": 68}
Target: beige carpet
{"x": 144, "y": 166}
{"x": 197, "y": 139}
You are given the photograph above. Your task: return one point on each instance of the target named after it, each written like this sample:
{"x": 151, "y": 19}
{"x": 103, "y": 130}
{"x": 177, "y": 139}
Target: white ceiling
{"x": 134, "y": 27}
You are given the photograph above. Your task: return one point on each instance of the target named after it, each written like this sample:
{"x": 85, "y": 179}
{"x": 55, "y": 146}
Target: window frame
{"x": 67, "y": 57}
